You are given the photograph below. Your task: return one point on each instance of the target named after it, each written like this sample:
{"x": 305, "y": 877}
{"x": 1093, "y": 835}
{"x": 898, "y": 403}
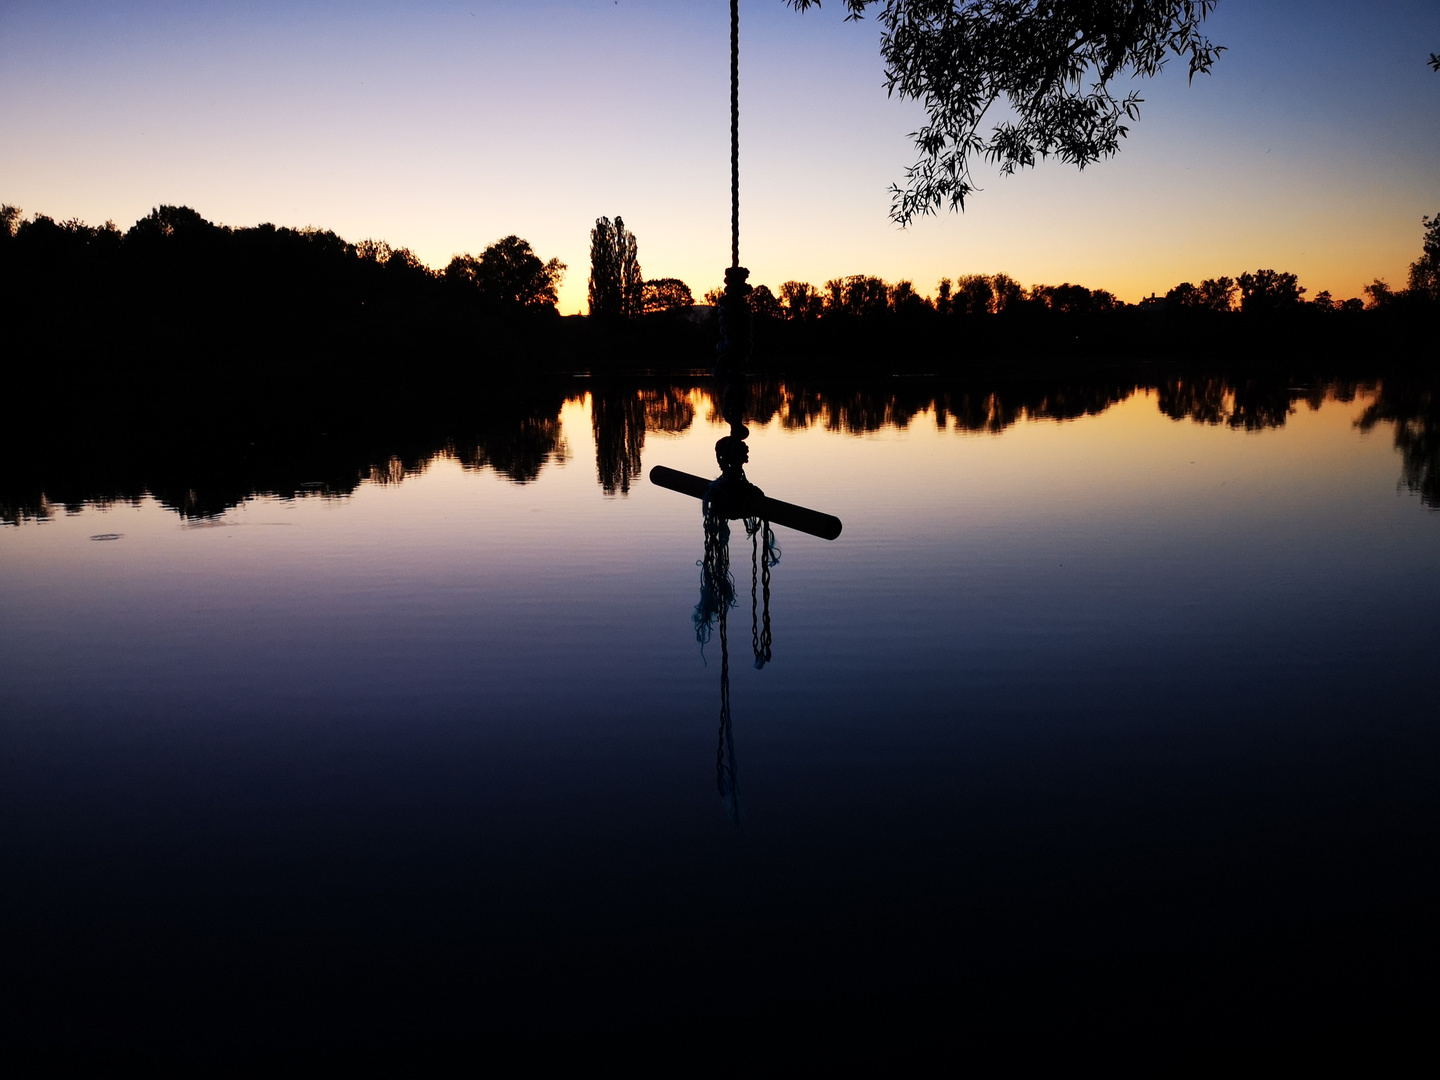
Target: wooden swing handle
{"x": 799, "y": 518}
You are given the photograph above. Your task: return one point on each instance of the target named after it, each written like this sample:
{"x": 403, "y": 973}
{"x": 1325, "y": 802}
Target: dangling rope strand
{"x": 725, "y": 771}
{"x": 764, "y": 553}
{"x": 770, "y": 555}
{"x": 755, "y": 621}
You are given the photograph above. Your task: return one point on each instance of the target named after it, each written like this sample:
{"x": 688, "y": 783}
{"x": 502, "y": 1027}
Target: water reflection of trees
{"x": 1243, "y": 404}
{"x": 1249, "y": 404}
{"x": 620, "y": 415}
{"x": 617, "y": 417}
{"x": 201, "y": 473}
{"x": 1414, "y": 409}
{"x": 867, "y": 409}
{"x": 518, "y": 451}
{"x": 516, "y": 433}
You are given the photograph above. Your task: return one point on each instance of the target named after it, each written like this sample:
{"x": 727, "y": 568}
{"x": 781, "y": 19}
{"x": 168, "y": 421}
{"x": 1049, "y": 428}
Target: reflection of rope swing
{"x": 731, "y": 496}
{"x": 717, "y": 597}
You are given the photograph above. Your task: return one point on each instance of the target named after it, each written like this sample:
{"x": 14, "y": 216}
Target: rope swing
{"x": 731, "y": 496}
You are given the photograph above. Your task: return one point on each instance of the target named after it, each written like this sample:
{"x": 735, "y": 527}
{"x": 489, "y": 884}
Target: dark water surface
{"x": 1098, "y": 739}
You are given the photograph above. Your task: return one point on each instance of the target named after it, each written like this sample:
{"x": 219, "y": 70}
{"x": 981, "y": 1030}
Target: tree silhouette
{"x": 508, "y": 274}
{"x": 763, "y": 304}
{"x": 1380, "y": 294}
{"x": 1425, "y": 271}
{"x": 1185, "y": 295}
{"x": 906, "y": 302}
{"x": 1007, "y": 291}
{"x": 801, "y": 301}
{"x": 1050, "y": 66}
{"x": 974, "y": 295}
{"x": 944, "y": 298}
{"x": 856, "y": 295}
{"x": 1269, "y": 291}
{"x": 1218, "y": 294}
{"x": 667, "y": 294}
{"x": 617, "y": 285}
{"x": 1073, "y": 299}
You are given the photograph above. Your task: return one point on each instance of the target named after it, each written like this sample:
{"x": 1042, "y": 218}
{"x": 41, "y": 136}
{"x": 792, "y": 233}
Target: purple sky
{"x": 1313, "y": 148}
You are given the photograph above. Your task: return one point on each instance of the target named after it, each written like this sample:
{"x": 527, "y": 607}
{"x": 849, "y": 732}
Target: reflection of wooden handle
{"x": 799, "y": 518}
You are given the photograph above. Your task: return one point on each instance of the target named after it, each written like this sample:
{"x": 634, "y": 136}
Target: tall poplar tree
{"x": 617, "y": 284}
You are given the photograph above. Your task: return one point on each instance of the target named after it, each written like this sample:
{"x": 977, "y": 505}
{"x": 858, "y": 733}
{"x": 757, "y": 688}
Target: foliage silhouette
{"x": 765, "y": 305}
{"x": 801, "y": 301}
{"x": 508, "y": 274}
{"x": 1007, "y": 292}
{"x": 617, "y": 285}
{"x": 178, "y": 308}
{"x": 1074, "y": 299}
{"x": 1212, "y": 294}
{"x": 667, "y": 294}
{"x": 1379, "y": 294}
{"x": 1425, "y": 271}
{"x": 905, "y": 302}
{"x": 856, "y": 296}
{"x": 1054, "y": 67}
{"x": 1268, "y": 291}
{"x": 975, "y": 294}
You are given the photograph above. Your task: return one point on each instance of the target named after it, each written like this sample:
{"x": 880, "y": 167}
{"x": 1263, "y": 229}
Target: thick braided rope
{"x": 734, "y": 132}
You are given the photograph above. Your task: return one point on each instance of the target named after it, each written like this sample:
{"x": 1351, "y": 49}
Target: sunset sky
{"x": 443, "y": 126}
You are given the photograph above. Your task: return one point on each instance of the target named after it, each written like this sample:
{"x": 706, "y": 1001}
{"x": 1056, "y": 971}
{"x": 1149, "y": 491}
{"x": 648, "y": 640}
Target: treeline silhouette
{"x": 178, "y": 306}
{"x": 863, "y": 322}
{"x": 181, "y": 309}
{"x": 176, "y": 288}
{"x": 202, "y": 472}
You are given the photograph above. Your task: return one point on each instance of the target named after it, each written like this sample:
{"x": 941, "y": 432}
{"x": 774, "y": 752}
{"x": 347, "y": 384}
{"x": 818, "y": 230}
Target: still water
{"x": 1101, "y": 724}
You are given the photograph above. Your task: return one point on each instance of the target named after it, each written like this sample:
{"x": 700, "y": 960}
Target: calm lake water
{"x": 1112, "y": 732}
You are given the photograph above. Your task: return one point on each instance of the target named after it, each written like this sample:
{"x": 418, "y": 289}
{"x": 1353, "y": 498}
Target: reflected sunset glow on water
{"x": 1090, "y": 704}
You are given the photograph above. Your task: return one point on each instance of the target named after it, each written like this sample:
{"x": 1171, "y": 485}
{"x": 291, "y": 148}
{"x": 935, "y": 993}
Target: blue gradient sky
{"x": 442, "y": 126}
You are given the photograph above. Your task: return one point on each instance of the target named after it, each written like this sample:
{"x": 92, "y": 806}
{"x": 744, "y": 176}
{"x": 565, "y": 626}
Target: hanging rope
{"x": 734, "y": 347}
{"x": 717, "y": 597}
{"x": 725, "y": 745}
{"x": 717, "y": 588}
{"x": 732, "y": 496}
{"x": 761, "y": 561}
{"x": 734, "y": 132}
{"x": 717, "y": 585}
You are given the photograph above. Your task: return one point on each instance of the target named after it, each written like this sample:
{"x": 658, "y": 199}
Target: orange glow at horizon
{"x": 1314, "y": 147}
